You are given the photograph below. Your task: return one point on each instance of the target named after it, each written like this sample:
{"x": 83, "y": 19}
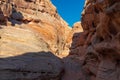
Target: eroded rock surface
{"x": 31, "y": 32}
{"x": 99, "y": 44}
{"x": 34, "y": 26}
{"x": 77, "y": 28}
{"x": 33, "y": 20}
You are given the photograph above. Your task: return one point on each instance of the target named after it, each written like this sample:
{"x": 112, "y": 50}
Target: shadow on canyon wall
{"x": 31, "y": 66}
{"x": 77, "y": 45}
{"x": 14, "y": 16}
{"x": 9, "y": 13}
{"x": 40, "y": 66}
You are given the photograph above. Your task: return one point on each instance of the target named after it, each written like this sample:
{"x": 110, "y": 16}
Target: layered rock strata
{"x": 31, "y": 24}
{"x": 31, "y": 34}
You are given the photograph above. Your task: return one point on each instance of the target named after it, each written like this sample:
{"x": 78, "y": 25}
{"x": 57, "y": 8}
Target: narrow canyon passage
{"x": 37, "y": 44}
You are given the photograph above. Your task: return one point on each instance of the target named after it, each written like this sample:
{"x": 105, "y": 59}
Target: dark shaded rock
{"x": 99, "y": 44}
{"x": 17, "y": 16}
{"x": 31, "y": 66}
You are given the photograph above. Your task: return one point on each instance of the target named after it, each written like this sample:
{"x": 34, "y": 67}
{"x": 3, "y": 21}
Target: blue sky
{"x": 69, "y": 10}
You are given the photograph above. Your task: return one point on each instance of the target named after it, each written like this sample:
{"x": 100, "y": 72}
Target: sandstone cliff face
{"x": 33, "y": 24}
{"x": 31, "y": 32}
{"x": 99, "y": 44}
{"x": 77, "y": 28}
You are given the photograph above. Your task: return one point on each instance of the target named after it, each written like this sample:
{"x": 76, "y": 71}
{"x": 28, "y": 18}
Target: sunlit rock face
{"x": 31, "y": 34}
{"x": 99, "y": 44}
{"x": 31, "y": 26}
